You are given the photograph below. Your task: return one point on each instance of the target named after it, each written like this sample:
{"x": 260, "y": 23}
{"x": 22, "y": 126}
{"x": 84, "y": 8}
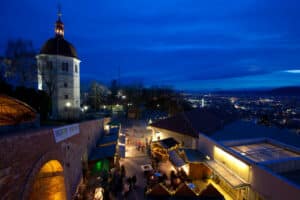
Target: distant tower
{"x": 59, "y": 74}
{"x": 202, "y": 103}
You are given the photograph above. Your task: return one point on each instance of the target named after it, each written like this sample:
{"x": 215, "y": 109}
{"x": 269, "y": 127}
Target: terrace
{"x": 264, "y": 151}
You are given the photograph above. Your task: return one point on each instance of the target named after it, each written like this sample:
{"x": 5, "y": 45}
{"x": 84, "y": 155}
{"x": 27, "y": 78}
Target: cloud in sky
{"x": 178, "y": 42}
{"x": 293, "y": 71}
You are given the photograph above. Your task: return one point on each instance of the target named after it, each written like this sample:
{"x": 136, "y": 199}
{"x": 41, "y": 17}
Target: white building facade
{"x": 59, "y": 74}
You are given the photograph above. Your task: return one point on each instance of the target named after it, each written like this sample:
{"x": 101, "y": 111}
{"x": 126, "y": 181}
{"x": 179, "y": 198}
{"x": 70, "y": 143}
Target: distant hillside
{"x": 286, "y": 91}
{"x": 282, "y": 91}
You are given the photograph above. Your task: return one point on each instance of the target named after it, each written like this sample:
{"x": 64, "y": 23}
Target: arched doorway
{"x": 49, "y": 183}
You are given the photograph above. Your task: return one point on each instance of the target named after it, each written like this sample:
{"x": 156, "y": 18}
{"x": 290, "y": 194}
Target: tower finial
{"x": 59, "y": 10}
{"x": 59, "y": 26}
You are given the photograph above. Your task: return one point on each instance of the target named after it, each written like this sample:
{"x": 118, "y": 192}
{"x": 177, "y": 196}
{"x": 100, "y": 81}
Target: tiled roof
{"x": 191, "y": 123}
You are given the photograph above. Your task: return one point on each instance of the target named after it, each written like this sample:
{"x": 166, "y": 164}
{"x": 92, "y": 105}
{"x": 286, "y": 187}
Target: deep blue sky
{"x": 187, "y": 44}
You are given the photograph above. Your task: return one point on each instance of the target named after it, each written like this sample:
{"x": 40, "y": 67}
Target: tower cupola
{"x": 59, "y": 25}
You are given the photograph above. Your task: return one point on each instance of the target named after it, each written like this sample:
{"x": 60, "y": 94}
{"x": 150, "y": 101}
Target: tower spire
{"x": 59, "y": 25}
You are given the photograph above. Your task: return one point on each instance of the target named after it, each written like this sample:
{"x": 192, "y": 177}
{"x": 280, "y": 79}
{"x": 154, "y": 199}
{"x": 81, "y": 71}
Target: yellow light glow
{"x": 51, "y": 166}
{"x": 49, "y": 183}
{"x": 106, "y": 127}
{"x": 219, "y": 153}
{"x": 237, "y": 166}
{"x": 186, "y": 169}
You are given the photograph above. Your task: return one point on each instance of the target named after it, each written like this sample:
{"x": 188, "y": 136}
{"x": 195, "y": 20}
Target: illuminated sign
{"x": 65, "y": 132}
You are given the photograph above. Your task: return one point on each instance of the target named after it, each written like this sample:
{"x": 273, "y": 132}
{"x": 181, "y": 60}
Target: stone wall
{"x": 22, "y": 155}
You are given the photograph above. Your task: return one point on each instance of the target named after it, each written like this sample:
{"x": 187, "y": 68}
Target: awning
{"x": 103, "y": 152}
{"x": 193, "y": 155}
{"x": 107, "y": 140}
{"x": 230, "y": 177}
{"x": 176, "y": 159}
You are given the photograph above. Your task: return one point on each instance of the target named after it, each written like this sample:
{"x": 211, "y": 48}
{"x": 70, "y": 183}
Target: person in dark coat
{"x": 133, "y": 180}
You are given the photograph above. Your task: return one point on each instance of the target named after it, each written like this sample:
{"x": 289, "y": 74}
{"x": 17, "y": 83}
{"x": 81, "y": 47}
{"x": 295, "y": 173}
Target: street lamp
{"x": 68, "y": 105}
{"x": 85, "y": 108}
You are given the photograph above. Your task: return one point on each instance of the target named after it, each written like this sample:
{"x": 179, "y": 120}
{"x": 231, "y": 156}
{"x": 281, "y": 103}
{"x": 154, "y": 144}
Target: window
{"x": 65, "y": 85}
{"x": 76, "y": 68}
{"x": 65, "y": 67}
{"x": 66, "y": 96}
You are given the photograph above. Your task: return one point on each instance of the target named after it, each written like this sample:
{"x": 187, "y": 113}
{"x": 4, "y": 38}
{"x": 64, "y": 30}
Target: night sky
{"x": 215, "y": 44}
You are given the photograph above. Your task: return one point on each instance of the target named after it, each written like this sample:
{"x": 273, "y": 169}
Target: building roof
{"x": 264, "y": 151}
{"x": 293, "y": 176}
{"x": 59, "y": 46}
{"x": 13, "y": 111}
{"x": 239, "y": 130}
{"x": 198, "y": 120}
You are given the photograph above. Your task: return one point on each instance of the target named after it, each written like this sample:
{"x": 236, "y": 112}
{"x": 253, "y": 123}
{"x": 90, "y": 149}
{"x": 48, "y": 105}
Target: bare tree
{"x": 20, "y": 63}
{"x": 47, "y": 75}
{"x": 98, "y": 95}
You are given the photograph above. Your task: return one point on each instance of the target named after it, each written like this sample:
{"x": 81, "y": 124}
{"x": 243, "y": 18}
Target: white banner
{"x": 65, "y": 132}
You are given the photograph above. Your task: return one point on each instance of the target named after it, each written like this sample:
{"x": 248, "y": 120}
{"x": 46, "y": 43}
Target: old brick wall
{"x": 22, "y": 155}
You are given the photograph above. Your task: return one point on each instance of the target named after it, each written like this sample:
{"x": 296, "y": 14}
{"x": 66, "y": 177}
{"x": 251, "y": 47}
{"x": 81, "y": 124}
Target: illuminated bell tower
{"x": 59, "y": 74}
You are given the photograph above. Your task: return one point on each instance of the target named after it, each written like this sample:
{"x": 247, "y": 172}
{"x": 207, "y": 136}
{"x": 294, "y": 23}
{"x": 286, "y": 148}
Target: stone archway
{"x": 49, "y": 183}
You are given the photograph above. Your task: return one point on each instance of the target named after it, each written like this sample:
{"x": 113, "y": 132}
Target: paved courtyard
{"x": 135, "y": 156}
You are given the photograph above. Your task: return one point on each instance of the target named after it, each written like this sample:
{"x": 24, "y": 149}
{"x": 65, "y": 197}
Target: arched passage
{"x": 49, "y": 183}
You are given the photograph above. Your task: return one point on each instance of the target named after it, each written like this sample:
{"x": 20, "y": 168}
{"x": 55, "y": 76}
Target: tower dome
{"x": 58, "y": 45}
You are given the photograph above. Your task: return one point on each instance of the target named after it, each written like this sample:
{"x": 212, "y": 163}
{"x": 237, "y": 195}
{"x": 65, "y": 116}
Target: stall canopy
{"x": 122, "y": 139}
{"x": 176, "y": 159}
{"x": 103, "y": 152}
{"x": 193, "y": 155}
{"x": 107, "y": 140}
{"x": 211, "y": 193}
{"x": 168, "y": 143}
{"x": 122, "y": 151}
{"x": 185, "y": 191}
{"x": 13, "y": 111}
{"x": 158, "y": 190}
